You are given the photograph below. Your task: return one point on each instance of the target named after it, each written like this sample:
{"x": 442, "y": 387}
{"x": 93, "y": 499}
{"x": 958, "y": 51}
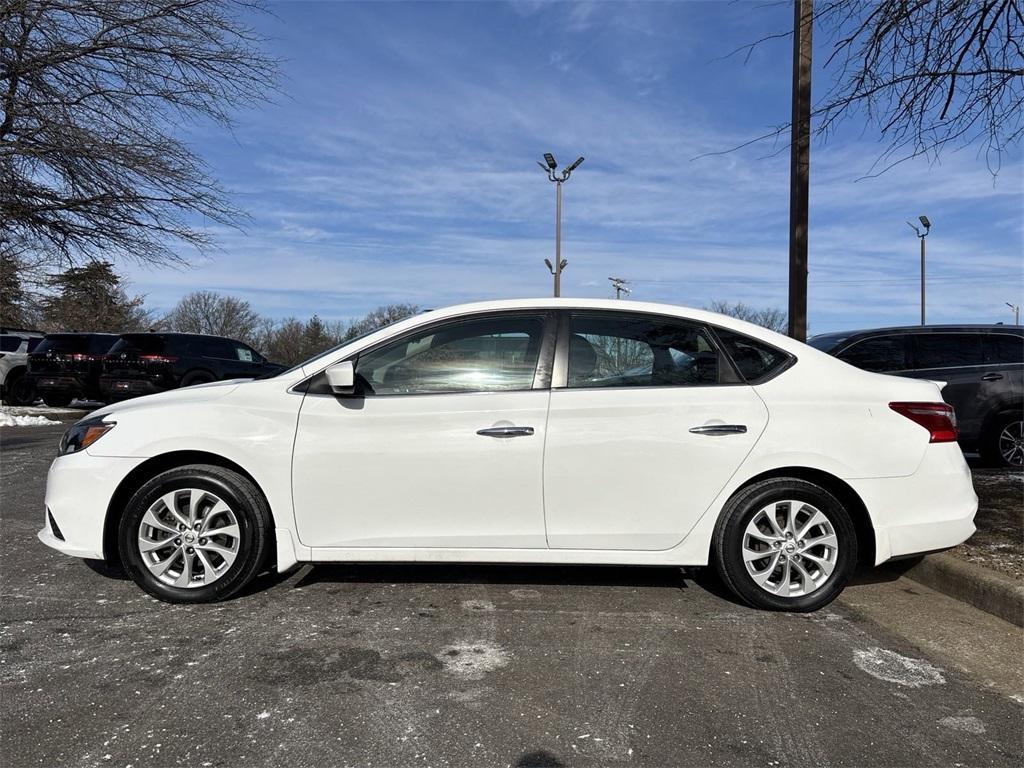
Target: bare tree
{"x": 770, "y": 318}
{"x": 925, "y": 73}
{"x": 217, "y": 315}
{"x": 381, "y": 316}
{"x": 94, "y": 94}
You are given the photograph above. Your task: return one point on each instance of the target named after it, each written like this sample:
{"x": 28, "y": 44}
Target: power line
{"x": 619, "y": 284}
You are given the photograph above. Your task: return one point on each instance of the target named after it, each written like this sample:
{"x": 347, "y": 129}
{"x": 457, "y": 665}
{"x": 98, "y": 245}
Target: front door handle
{"x": 506, "y": 432}
{"x": 992, "y": 377}
{"x": 720, "y": 429}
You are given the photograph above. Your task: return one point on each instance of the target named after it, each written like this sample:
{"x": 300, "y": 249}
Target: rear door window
{"x": 10, "y": 343}
{"x": 947, "y": 350}
{"x": 1004, "y": 348}
{"x": 879, "y": 354}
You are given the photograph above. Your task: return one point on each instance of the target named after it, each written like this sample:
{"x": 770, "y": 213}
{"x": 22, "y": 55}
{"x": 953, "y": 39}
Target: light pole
{"x": 549, "y": 166}
{"x": 921, "y": 236}
{"x": 1016, "y": 312}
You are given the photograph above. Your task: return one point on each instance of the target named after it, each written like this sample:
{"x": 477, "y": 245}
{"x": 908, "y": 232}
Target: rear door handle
{"x": 720, "y": 429}
{"x": 992, "y": 377}
{"x": 506, "y": 432}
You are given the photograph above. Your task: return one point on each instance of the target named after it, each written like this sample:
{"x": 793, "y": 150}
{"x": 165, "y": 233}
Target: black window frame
{"x": 728, "y": 375}
{"x": 316, "y": 384}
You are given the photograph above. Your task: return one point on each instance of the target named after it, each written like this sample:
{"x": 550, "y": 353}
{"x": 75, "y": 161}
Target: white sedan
{"x": 529, "y": 431}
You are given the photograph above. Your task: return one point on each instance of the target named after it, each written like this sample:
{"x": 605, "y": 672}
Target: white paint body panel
{"x": 615, "y": 471}
{"x": 411, "y": 471}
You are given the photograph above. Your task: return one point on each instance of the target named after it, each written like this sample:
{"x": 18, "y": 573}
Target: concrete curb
{"x": 982, "y": 587}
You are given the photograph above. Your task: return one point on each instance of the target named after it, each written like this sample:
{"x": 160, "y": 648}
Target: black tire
{"x": 197, "y": 377}
{"x": 57, "y": 401}
{"x": 727, "y": 544}
{"x": 238, "y": 493}
{"x": 990, "y": 446}
{"x": 18, "y": 389}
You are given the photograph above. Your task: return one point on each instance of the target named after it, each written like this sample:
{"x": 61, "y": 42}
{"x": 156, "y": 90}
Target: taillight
{"x": 157, "y": 359}
{"x": 938, "y": 418}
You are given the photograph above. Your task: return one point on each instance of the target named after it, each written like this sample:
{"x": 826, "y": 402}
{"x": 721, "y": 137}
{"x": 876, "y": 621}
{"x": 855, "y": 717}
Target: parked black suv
{"x": 66, "y": 366}
{"x": 982, "y": 365}
{"x": 144, "y": 363}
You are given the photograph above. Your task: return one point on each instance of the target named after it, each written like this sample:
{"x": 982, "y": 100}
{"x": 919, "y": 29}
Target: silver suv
{"x": 15, "y": 346}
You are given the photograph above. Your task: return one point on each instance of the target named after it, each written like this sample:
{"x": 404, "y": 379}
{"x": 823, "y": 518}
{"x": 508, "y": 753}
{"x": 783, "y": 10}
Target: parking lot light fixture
{"x": 549, "y": 166}
{"x": 1015, "y": 308}
{"x": 921, "y": 235}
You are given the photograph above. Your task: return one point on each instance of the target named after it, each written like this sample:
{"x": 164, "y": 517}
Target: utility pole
{"x": 799, "y": 167}
{"x": 1016, "y": 312}
{"x": 921, "y": 236}
{"x": 620, "y": 286}
{"x": 549, "y": 166}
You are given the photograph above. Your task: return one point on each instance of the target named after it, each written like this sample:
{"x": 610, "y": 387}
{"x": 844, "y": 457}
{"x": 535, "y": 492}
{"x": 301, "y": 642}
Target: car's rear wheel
{"x": 18, "y": 389}
{"x": 1002, "y": 445}
{"x": 785, "y": 544}
{"x": 195, "y": 534}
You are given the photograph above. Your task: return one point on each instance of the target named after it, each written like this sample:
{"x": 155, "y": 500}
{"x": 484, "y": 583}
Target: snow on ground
{"x": 15, "y": 417}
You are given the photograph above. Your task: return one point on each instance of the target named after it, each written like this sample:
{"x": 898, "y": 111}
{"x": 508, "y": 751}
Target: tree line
{"x": 93, "y": 297}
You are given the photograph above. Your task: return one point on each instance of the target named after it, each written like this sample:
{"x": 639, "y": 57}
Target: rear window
{"x": 826, "y": 342}
{"x": 947, "y": 350}
{"x": 100, "y": 344}
{"x": 754, "y": 359}
{"x": 880, "y": 354}
{"x": 142, "y": 344}
{"x": 65, "y": 345}
{"x": 1004, "y": 348}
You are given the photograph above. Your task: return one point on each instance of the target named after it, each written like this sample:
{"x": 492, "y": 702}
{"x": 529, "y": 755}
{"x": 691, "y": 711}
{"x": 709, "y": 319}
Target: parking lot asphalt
{"x": 481, "y": 666}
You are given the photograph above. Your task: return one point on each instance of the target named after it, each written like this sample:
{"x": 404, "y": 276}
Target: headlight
{"x": 83, "y": 434}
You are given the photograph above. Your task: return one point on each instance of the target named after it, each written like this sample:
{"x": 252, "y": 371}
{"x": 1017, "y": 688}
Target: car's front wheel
{"x": 785, "y": 544}
{"x": 195, "y": 534}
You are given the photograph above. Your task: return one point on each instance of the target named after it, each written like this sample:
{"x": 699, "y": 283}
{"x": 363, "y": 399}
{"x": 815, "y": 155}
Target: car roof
{"x": 21, "y": 331}
{"x": 946, "y": 328}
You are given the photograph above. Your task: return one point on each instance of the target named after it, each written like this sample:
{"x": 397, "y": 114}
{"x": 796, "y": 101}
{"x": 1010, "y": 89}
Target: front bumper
{"x": 79, "y": 488}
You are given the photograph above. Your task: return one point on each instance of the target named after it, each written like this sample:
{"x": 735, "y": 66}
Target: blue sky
{"x": 399, "y": 164}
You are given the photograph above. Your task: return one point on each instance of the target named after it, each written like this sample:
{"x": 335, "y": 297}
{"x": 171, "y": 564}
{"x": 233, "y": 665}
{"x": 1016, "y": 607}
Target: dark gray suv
{"x": 982, "y": 365}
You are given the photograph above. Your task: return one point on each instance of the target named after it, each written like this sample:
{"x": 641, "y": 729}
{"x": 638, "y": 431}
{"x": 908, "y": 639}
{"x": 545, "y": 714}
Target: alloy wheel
{"x": 790, "y": 548}
{"x": 1011, "y": 443}
{"x": 189, "y": 538}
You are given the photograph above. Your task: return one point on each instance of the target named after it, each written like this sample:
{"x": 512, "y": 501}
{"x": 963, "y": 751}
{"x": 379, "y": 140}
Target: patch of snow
{"x": 9, "y": 419}
{"x": 967, "y": 724}
{"x": 894, "y": 668}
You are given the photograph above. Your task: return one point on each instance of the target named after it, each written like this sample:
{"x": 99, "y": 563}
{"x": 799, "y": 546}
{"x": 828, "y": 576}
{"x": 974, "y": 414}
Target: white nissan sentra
{"x": 529, "y": 431}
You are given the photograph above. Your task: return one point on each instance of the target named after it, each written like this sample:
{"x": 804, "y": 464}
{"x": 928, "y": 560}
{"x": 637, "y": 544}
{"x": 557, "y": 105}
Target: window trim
{"x": 789, "y": 362}
{"x": 541, "y": 374}
{"x": 560, "y": 369}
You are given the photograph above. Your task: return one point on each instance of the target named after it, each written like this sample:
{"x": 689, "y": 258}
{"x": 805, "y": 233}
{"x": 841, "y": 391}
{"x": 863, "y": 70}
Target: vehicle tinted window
{"x": 33, "y": 343}
{"x": 245, "y": 354}
{"x": 204, "y": 346}
{"x": 880, "y": 354}
{"x": 481, "y": 355}
{"x": 947, "y": 350}
{"x": 754, "y": 358}
{"x": 1004, "y": 348}
{"x": 141, "y": 344}
{"x": 65, "y": 344}
{"x": 611, "y": 350}
{"x": 826, "y": 342}
{"x": 10, "y": 343}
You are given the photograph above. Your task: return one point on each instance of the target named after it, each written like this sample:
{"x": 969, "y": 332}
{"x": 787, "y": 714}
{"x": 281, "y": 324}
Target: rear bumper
{"x": 118, "y": 388}
{"x": 57, "y": 383}
{"x": 78, "y": 492}
{"x": 932, "y": 509}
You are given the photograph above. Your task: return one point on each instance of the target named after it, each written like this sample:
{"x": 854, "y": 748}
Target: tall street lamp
{"x": 921, "y": 236}
{"x": 1015, "y": 308}
{"x": 549, "y": 167}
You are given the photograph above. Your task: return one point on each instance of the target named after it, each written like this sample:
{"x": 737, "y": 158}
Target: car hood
{"x": 194, "y": 394}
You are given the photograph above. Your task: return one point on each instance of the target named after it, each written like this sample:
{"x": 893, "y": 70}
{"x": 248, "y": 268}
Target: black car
{"x": 65, "y": 366}
{"x": 144, "y": 363}
{"x": 982, "y": 365}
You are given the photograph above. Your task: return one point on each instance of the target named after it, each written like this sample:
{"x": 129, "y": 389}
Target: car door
{"x": 442, "y": 445}
{"x": 647, "y": 424}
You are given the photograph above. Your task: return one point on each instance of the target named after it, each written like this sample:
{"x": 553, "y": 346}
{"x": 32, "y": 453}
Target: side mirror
{"x": 342, "y": 378}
